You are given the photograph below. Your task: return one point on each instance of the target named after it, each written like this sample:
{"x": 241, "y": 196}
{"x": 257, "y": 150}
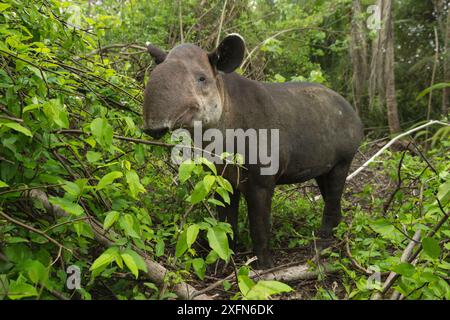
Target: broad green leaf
{"x": 404, "y": 269}
{"x": 108, "y": 179}
{"x": 67, "y": 205}
{"x": 129, "y": 262}
{"x": 218, "y": 241}
{"x": 159, "y": 247}
{"x": 36, "y": 271}
{"x": 56, "y": 113}
{"x": 138, "y": 260}
{"x": 199, "y": 267}
{"x": 93, "y": 156}
{"x": 19, "y": 289}
{"x": 102, "y": 132}
{"x": 245, "y": 284}
{"x": 433, "y": 87}
{"x": 4, "y": 6}
{"x": 208, "y": 182}
{"x": 265, "y": 288}
{"x": 199, "y": 193}
{"x": 134, "y": 183}
{"x": 224, "y": 183}
{"x": 104, "y": 259}
{"x": 185, "y": 170}
{"x": 211, "y": 257}
{"x": 127, "y": 223}
{"x": 110, "y": 219}
{"x": 224, "y": 194}
{"x": 182, "y": 245}
{"x": 209, "y": 164}
{"x": 191, "y": 234}
{"x": 431, "y": 247}
{"x": 216, "y": 202}
{"x": 3, "y": 184}
{"x": 72, "y": 188}
{"x": 17, "y": 127}
{"x": 444, "y": 193}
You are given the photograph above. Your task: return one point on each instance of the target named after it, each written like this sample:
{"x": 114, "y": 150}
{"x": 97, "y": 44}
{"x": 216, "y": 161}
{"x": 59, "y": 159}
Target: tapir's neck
{"x": 245, "y": 102}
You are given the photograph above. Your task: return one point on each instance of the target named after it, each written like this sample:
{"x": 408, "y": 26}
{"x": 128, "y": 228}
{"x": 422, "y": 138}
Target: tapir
{"x": 319, "y": 131}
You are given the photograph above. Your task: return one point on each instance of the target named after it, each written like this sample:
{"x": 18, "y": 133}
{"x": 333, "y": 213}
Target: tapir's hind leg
{"x": 331, "y": 187}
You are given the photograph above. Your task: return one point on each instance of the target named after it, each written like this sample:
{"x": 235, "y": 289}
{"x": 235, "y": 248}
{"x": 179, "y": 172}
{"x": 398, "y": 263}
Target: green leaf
{"x": 67, "y": 205}
{"x": 444, "y": 193}
{"x": 245, "y": 284}
{"x": 218, "y": 241}
{"x": 110, "y": 219}
{"x": 138, "y": 260}
{"x": 211, "y": 257}
{"x": 216, "y": 202}
{"x": 105, "y": 258}
{"x": 134, "y": 183}
{"x": 102, "y": 132}
{"x": 181, "y": 246}
{"x": 129, "y": 262}
{"x": 209, "y": 164}
{"x": 224, "y": 194}
{"x": 3, "y": 184}
{"x": 191, "y": 234}
{"x": 4, "y": 6}
{"x": 208, "y": 182}
{"x": 433, "y": 87}
{"x": 93, "y": 156}
{"x": 199, "y": 267}
{"x": 185, "y": 170}
{"x": 72, "y": 188}
{"x": 199, "y": 193}
{"x": 108, "y": 179}
{"x": 265, "y": 288}
{"x": 36, "y": 271}
{"x": 17, "y": 127}
{"x": 404, "y": 269}
{"x": 224, "y": 183}
{"x": 127, "y": 224}
{"x": 19, "y": 289}
{"x": 56, "y": 113}
{"x": 159, "y": 248}
{"x": 431, "y": 247}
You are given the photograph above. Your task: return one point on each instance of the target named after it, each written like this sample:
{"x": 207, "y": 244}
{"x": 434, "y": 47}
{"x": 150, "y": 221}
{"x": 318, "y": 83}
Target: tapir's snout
{"x": 156, "y": 132}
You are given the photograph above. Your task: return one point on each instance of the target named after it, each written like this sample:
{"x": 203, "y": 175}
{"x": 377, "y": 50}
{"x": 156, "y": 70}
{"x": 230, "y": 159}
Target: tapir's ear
{"x": 157, "y": 54}
{"x": 228, "y": 56}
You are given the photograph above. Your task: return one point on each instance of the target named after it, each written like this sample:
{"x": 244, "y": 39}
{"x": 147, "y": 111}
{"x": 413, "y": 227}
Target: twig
{"x": 391, "y": 142}
{"x": 221, "y": 22}
{"x": 30, "y": 228}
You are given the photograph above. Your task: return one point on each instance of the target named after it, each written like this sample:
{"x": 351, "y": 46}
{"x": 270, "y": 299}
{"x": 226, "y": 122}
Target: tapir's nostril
{"x": 156, "y": 133}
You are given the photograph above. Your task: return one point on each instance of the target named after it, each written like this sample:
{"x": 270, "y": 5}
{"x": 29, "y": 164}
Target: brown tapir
{"x": 319, "y": 132}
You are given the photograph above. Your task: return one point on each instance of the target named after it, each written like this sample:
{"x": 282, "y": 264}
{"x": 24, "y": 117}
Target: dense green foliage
{"x": 68, "y": 101}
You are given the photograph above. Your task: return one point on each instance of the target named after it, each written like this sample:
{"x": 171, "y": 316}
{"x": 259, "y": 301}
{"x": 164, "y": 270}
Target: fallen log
{"x": 155, "y": 271}
{"x": 294, "y": 273}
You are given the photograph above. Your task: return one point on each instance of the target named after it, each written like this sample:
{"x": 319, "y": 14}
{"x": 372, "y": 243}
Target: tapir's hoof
{"x": 325, "y": 239}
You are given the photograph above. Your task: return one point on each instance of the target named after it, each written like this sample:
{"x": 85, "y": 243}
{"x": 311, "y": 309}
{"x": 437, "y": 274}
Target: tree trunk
{"x": 389, "y": 68}
{"x": 358, "y": 54}
{"x": 446, "y": 75}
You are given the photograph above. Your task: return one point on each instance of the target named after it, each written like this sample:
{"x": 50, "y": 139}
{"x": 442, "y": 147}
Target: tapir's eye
{"x": 201, "y": 79}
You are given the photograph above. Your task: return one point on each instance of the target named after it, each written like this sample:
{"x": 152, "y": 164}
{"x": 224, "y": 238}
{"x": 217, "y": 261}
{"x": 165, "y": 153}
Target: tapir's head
{"x": 184, "y": 86}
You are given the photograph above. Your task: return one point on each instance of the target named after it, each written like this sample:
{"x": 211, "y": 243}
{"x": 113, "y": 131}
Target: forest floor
{"x": 286, "y": 255}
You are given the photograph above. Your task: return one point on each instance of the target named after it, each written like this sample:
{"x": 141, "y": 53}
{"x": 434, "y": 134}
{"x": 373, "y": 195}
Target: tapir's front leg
{"x": 259, "y": 200}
